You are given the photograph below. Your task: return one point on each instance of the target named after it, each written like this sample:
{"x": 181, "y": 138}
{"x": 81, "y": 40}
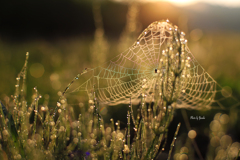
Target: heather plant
{"x": 158, "y": 72}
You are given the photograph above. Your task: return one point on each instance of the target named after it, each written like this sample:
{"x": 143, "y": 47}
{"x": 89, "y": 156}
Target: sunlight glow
{"x": 228, "y": 3}
{"x": 182, "y": 2}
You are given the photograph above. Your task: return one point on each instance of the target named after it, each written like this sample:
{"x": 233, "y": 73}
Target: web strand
{"x": 145, "y": 68}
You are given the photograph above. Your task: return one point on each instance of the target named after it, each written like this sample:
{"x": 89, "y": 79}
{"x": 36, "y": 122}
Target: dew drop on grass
{"x": 58, "y": 104}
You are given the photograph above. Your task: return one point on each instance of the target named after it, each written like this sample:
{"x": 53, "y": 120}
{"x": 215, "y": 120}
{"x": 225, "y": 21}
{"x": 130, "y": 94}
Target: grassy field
{"x": 61, "y": 60}
{"x": 54, "y": 63}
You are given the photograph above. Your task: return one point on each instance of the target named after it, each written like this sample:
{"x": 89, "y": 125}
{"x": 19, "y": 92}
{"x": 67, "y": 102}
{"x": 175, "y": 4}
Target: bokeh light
{"x": 103, "y": 110}
{"x": 236, "y": 144}
{"x": 192, "y": 134}
{"x": 54, "y": 77}
{"x": 176, "y": 156}
{"x": 214, "y": 141}
{"x": 183, "y": 157}
{"x": 196, "y": 34}
{"x": 184, "y": 150}
{"x": 217, "y": 116}
{"x": 220, "y": 134}
{"x": 56, "y": 84}
{"x": 36, "y": 70}
{"x": 221, "y": 154}
{"x": 224, "y": 119}
{"x": 225, "y": 141}
{"x": 233, "y": 152}
{"x": 215, "y": 125}
{"x": 108, "y": 130}
{"x": 234, "y": 149}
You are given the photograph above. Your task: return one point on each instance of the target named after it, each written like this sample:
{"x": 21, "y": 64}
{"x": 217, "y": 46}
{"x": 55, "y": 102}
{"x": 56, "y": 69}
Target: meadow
{"x": 90, "y": 126}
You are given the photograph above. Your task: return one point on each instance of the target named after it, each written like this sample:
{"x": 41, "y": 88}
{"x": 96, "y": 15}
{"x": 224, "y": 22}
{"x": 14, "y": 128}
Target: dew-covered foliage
{"x": 75, "y": 130}
{"x": 32, "y": 130}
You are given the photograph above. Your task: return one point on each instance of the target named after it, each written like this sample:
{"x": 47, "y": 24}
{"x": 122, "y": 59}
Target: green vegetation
{"x": 43, "y": 123}
{"x": 34, "y": 131}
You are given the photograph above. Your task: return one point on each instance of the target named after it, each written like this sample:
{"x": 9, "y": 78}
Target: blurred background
{"x": 64, "y": 37}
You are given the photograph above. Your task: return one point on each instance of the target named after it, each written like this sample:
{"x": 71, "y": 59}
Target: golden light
{"x": 215, "y": 125}
{"x": 37, "y": 70}
{"x": 182, "y": 2}
{"x": 184, "y": 150}
{"x": 214, "y": 141}
{"x": 56, "y": 84}
{"x": 196, "y": 34}
{"x": 229, "y": 3}
{"x": 224, "y": 119}
{"x": 225, "y": 141}
{"x": 183, "y": 157}
{"x": 192, "y": 134}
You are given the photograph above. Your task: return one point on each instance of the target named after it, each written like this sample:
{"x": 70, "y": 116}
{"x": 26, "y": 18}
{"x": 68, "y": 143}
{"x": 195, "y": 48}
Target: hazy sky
{"x": 228, "y": 3}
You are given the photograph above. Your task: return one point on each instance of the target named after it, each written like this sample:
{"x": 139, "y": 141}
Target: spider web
{"x": 147, "y": 69}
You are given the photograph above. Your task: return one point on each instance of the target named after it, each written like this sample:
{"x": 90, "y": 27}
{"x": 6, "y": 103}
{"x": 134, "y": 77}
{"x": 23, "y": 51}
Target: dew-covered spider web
{"x": 160, "y": 67}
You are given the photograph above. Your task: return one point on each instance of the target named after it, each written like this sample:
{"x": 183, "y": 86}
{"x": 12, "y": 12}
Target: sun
{"x": 182, "y": 2}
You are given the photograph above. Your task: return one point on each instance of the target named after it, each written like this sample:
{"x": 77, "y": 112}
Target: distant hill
{"x": 213, "y": 17}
